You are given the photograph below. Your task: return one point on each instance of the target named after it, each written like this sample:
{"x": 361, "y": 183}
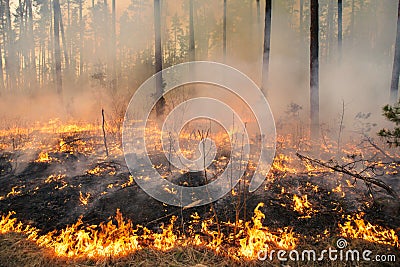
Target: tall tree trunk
{"x": 32, "y": 47}
{"x": 340, "y": 26}
{"x": 23, "y": 65}
{"x": 81, "y": 29}
{"x": 50, "y": 45}
{"x": 352, "y": 21}
{"x": 57, "y": 49}
{"x": 158, "y": 58}
{"x": 64, "y": 42}
{"x": 330, "y": 32}
{"x": 10, "y": 59}
{"x": 314, "y": 69}
{"x": 1, "y": 50}
{"x": 106, "y": 36}
{"x": 394, "y": 86}
{"x": 301, "y": 16}
{"x": 224, "y": 32}
{"x": 192, "y": 52}
{"x": 114, "y": 49}
{"x": 267, "y": 44}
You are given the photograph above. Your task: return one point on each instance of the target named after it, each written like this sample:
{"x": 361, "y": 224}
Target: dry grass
{"x": 15, "y": 250}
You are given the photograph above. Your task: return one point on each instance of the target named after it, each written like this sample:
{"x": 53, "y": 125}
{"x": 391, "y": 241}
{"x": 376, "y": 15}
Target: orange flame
{"x": 356, "y": 227}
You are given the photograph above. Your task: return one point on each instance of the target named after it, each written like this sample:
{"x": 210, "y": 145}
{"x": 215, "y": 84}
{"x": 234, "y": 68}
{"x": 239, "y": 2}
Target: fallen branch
{"x": 342, "y": 169}
{"x": 370, "y": 141}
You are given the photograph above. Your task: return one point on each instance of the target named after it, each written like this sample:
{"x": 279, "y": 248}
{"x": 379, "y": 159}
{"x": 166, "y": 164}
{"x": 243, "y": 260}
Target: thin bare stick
{"x": 340, "y": 128}
{"x": 104, "y": 132}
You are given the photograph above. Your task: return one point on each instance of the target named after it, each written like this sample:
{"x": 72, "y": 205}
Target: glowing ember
{"x": 43, "y": 157}
{"x": 84, "y": 199}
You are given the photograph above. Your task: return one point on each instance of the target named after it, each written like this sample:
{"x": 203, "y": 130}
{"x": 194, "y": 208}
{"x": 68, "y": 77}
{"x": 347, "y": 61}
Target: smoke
{"x": 359, "y": 77}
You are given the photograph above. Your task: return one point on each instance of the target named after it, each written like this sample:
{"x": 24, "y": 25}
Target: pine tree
{"x": 392, "y": 113}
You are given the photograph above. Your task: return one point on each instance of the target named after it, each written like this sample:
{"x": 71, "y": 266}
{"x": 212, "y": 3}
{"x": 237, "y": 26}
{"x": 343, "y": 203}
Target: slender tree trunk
{"x": 32, "y": 45}
{"x": 106, "y": 36}
{"x": 81, "y": 26}
{"x": 340, "y": 26}
{"x": 1, "y": 50}
{"x": 394, "y": 86}
{"x": 68, "y": 33}
{"x": 114, "y": 49}
{"x": 330, "y": 32}
{"x": 192, "y": 52}
{"x": 22, "y": 67}
{"x": 301, "y": 16}
{"x": 10, "y": 59}
{"x": 224, "y": 32}
{"x": 95, "y": 44}
{"x": 352, "y": 21}
{"x": 57, "y": 49}
{"x": 267, "y": 44}
{"x": 314, "y": 69}
{"x": 158, "y": 58}
{"x": 50, "y": 46}
{"x": 64, "y": 42}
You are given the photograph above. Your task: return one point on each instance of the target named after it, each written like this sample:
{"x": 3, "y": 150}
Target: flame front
{"x": 110, "y": 239}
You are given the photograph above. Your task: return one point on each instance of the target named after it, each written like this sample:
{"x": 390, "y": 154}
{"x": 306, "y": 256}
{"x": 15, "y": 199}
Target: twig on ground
{"x": 342, "y": 169}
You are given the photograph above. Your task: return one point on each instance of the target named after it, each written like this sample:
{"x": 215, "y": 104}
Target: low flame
{"x": 356, "y": 227}
{"x": 43, "y": 157}
{"x": 110, "y": 239}
{"x": 258, "y": 237}
{"x": 303, "y": 206}
{"x": 84, "y": 199}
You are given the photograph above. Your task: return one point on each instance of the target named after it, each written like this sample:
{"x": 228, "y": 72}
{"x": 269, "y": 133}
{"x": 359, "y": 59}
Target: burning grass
{"x": 118, "y": 237}
{"x": 356, "y": 227}
{"x": 118, "y": 242}
{"x": 69, "y": 175}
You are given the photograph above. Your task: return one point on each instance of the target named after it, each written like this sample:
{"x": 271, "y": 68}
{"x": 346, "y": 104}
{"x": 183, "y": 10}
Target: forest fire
{"x": 240, "y": 240}
{"x": 199, "y": 133}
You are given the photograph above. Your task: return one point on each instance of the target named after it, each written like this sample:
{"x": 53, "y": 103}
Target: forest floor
{"x": 52, "y": 188}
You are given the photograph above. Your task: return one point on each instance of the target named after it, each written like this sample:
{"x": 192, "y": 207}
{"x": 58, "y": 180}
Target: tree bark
{"x": 267, "y": 44}
{"x": 158, "y": 59}
{"x": 57, "y": 49}
{"x": 394, "y": 86}
{"x": 314, "y": 69}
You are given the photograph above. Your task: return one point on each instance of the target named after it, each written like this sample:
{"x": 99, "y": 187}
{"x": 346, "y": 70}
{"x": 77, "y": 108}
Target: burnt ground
{"x": 47, "y": 195}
